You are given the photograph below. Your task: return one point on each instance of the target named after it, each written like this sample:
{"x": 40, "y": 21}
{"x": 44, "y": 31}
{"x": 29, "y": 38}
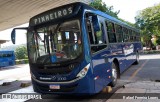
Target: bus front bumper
{"x": 75, "y": 86}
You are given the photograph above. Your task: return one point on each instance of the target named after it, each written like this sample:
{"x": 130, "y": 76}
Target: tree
{"x": 158, "y": 40}
{"x": 21, "y": 52}
{"x": 148, "y": 20}
{"x": 98, "y": 4}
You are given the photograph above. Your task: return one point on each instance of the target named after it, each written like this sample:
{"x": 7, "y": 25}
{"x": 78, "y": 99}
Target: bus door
{"x": 98, "y": 45}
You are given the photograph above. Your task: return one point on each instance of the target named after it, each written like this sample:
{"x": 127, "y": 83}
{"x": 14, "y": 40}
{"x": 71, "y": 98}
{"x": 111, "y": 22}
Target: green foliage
{"x": 158, "y": 40}
{"x": 129, "y": 23}
{"x": 148, "y": 20}
{"x": 21, "y": 52}
{"x": 151, "y": 52}
{"x": 22, "y": 61}
{"x": 98, "y": 4}
{"x": 154, "y": 43}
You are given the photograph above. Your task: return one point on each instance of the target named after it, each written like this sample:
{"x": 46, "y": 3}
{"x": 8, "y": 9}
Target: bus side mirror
{"x": 95, "y": 23}
{"x": 13, "y": 36}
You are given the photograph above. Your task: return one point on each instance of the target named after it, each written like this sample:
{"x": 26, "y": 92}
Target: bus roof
{"x": 113, "y": 19}
{"x": 6, "y": 51}
{"x": 69, "y": 10}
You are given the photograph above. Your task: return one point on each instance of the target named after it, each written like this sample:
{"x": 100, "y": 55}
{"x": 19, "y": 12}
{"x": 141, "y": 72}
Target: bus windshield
{"x": 55, "y": 43}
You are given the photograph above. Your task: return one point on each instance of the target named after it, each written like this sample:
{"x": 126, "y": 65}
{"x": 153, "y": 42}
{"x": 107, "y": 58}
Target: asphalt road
{"x": 148, "y": 69}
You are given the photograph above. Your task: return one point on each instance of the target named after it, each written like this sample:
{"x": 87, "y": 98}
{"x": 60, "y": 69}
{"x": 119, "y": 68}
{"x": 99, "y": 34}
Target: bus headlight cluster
{"x": 83, "y": 72}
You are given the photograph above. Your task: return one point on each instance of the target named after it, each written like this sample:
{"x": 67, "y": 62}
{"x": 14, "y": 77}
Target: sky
{"x": 129, "y": 8}
{"x": 128, "y": 11}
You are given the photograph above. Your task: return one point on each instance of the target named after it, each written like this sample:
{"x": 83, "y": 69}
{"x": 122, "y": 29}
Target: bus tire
{"x": 114, "y": 76}
{"x": 137, "y": 59}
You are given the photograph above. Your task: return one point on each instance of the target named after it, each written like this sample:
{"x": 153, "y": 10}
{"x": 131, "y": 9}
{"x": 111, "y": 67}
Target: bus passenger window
{"x": 111, "y": 32}
{"x": 131, "y": 36}
{"x": 91, "y": 39}
{"x": 119, "y": 33}
{"x": 134, "y": 36}
{"x": 126, "y": 36}
{"x": 100, "y": 35}
{"x": 97, "y": 38}
{"x": 138, "y": 36}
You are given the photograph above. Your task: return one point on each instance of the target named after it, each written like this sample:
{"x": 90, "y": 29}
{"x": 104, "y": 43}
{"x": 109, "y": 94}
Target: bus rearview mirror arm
{"x": 13, "y": 33}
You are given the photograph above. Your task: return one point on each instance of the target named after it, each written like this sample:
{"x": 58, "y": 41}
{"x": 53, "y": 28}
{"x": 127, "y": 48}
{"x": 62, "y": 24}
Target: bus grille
{"x": 53, "y": 70}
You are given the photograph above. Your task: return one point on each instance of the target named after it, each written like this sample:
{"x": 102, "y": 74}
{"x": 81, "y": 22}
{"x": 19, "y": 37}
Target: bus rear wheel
{"x": 114, "y": 74}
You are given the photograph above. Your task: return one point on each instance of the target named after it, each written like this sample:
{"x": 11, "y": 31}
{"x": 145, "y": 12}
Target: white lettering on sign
{"x": 52, "y": 15}
{"x": 47, "y": 17}
{"x": 59, "y": 13}
{"x": 70, "y": 10}
{"x": 65, "y": 12}
{"x": 128, "y": 49}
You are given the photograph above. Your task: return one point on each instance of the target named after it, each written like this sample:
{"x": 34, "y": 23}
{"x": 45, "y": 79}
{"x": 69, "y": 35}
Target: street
{"x": 147, "y": 71}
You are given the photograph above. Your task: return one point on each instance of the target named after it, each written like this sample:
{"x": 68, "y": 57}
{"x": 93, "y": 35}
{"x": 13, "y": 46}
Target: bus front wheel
{"x": 114, "y": 74}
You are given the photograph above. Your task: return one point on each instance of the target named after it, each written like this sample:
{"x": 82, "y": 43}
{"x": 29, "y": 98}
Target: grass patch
{"x": 151, "y": 52}
{"x": 22, "y": 61}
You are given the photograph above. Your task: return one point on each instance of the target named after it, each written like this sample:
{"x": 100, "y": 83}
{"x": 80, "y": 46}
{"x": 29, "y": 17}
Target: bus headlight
{"x": 83, "y": 72}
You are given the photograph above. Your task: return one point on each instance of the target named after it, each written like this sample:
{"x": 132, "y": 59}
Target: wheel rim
{"x": 114, "y": 73}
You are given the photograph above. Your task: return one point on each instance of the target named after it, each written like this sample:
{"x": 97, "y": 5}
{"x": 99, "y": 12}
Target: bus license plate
{"x": 54, "y": 86}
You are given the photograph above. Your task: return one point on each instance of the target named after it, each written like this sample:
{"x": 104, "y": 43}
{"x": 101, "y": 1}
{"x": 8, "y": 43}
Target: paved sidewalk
{"x": 13, "y": 73}
{"x": 14, "y": 76}
{"x": 140, "y": 91}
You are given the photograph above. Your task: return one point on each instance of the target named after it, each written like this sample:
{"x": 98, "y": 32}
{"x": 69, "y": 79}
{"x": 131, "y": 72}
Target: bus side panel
{"x": 100, "y": 66}
{"x": 7, "y": 58}
{"x": 129, "y": 53}
{"x": 118, "y": 53}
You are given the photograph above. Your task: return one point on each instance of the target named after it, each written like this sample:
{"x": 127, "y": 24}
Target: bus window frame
{"x": 125, "y": 34}
{"x": 118, "y": 34}
{"x": 102, "y": 20}
{"x": 114, "y": 31}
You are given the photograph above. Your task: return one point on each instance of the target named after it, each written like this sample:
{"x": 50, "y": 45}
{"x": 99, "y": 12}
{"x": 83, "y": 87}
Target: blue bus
{"x": 7, "y": 58}
{"x": 76, "y": 49}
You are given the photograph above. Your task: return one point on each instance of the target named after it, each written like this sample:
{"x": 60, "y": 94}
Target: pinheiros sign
{"x": 51, "y": 15}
